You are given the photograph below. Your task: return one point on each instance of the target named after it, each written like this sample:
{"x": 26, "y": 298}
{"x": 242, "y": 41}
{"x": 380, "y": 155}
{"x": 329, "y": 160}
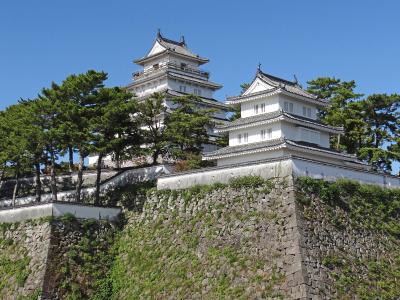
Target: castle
{"x": 278, "y": 126}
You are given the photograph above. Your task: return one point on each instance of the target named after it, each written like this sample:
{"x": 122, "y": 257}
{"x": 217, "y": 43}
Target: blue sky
{"x": 44, "y": 41}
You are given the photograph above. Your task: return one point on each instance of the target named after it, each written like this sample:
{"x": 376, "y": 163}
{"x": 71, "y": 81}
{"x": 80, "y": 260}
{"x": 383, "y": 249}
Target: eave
{"x": 142, "y": 61}
{"x": 209, "y": 101}
{"x": 271, "y": 92}
{"x": 282, "y": 116}
{"x": 188, "y": 78}
{"x": 254, "y": 148}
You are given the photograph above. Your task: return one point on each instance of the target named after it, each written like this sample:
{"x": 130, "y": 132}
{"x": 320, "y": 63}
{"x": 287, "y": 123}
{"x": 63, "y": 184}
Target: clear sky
{"x": 44, "y": 41}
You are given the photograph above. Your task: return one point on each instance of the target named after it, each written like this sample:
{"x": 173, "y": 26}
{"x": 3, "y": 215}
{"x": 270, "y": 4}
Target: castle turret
{"x": 278, "y": 119}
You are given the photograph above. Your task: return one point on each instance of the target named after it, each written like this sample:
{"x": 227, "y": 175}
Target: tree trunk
{"x": 71, "y": 158}
{"x": 16, "y": 188}
{"x": 3, "y": 175}
{"x": 98, "y": 179}
{"x": 155, "y": 155}
{"x": 38, "y": 183}
{"x": 53, "y": 178}
{"x": 117, "y": 159}
{"x": 80, "y": 177}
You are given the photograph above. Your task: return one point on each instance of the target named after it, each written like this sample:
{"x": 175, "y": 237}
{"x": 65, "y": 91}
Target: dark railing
{"x": 156, "y": 68}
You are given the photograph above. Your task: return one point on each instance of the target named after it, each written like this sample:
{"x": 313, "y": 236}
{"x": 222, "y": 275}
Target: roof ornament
{"x": 295, "y": 79}
{"x": 183, "y": 40}
{"x": 159, "y": 33}
{"x": 259, "y": 67}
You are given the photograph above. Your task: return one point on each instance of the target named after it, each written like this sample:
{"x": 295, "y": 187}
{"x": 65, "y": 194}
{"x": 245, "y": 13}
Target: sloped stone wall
{"x": 250, "y": 239}
{"x": 349, "y": 240}
{"x": 54, "y": 258}
{"x": 222, "y": 241}
{"x": 23, "y": 256}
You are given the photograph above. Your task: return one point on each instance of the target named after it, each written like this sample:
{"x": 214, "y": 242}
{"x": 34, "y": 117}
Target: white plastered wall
{"x": 293, "y": 132}
{"x": 175, "y": 85}
{"x": 254, "y": 134}
{"x": 298, "y": 106}
{"x": 271, "y": 105}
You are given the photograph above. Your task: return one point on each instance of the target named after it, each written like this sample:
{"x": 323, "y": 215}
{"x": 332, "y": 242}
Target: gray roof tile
{"x": 273, "y": 143}
{"x": 273, "y": 115}
{"x": 245, "y": 147}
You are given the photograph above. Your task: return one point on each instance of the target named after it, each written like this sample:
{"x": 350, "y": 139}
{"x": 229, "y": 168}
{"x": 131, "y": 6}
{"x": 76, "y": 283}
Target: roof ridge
{"x": 276, "y": 78}
{"x": 182, "y": 44}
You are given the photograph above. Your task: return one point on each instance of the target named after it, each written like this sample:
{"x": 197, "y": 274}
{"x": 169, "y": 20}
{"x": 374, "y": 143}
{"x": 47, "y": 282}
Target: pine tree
{"x": 79, "y": 95}
{"x": 369, "y": 123}
{"x": 113, "y": 126}
{"x": 151, "y": 113}
{"x": 187, "y": 127}
{"x": 48, "y": 109}
{"x": 14, "y": 144}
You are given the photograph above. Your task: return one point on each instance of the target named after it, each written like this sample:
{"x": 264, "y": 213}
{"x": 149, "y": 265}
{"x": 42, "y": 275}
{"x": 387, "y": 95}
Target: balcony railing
{"x": 169, "y": 65}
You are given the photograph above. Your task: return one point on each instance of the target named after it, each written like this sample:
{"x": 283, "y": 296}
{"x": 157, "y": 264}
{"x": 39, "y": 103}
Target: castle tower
{"x": 170, "y": 67}
{"x": 278, "y": 119}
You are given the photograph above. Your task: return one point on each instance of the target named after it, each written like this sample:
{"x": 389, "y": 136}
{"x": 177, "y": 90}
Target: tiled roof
{"x": 195, "y": 79}
{"x": 252, "y": 119}
{"x": 276, "y": 114}
{"x": 175, "y": 47}
{"x": 245, "y": 147}
{"x": 279, "y": 85}
{"x": 178, "y": 47}
{"x": 291, "y": 87}
{"x": 203, "y": 99}
{"x": 270, "y": 145}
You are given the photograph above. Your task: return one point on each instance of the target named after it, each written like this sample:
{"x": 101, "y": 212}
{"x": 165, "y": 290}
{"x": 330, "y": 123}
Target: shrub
{"x": 191, "y": 162}
{"x": 247, "y": 181}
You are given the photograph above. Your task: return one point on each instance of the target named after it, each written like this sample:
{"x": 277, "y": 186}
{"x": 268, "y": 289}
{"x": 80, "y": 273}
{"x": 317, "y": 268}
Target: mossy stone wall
{"x": 23, "y": 254}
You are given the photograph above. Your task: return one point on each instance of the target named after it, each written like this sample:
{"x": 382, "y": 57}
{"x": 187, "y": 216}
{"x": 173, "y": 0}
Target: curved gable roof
{"x": 163, "y": 45}
{"x": 273, "y": 82}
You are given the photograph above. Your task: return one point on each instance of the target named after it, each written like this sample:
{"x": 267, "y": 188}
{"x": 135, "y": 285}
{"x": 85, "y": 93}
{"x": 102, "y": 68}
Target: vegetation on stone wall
{"x": 82, "y": 257}
{"x": 367, "y": 206}
{"x": 14, "y": 263}
{"x": 219, "y": 241}
{"x": 15, "y": 260}
{"x": 199, "y": 242}
{"x": 362, "y": 257}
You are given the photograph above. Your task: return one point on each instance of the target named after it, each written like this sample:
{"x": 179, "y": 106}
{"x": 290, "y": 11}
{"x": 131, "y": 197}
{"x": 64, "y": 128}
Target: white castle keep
{"x": 172, "y": 69}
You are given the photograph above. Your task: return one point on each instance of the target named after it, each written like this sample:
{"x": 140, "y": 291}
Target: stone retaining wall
{"x": 24, "y": 248}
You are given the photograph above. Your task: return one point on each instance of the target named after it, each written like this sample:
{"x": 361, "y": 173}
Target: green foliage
{"x": 247, "y": 182}
{"x": 244, "y": 87}
{"x": 14, "y": 262}
{"x": 186, "y": 126}
{"x": 369, "y": 124}
{"x": 82, "y": 266}
{"x": 33, "y": 296}
{"x": 364, "y": 278}
{"x": 68, "y": 217}
{"x": 175, "y": 254}
{"x": 368, "y": 206}
{"x": 130, "y": 197}
{"x": 198, "y": 191}
{"x": 79, "y": 115}
{"x": 192, "y": 162}
{"x": 352, "y": 207}
{"x": 150, "y": 113}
